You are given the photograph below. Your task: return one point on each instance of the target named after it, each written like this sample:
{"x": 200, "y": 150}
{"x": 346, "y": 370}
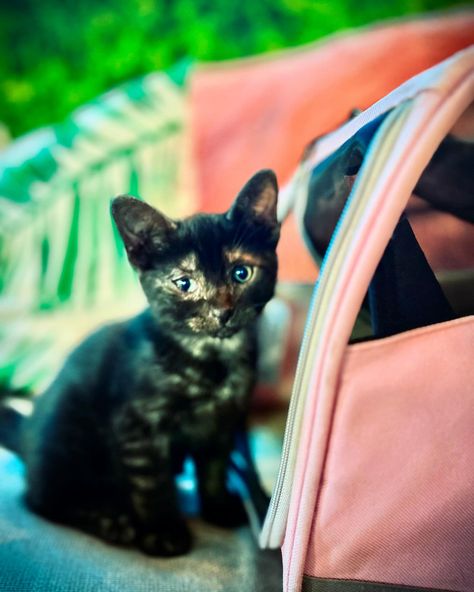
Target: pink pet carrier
{"x": 376, "y": 484}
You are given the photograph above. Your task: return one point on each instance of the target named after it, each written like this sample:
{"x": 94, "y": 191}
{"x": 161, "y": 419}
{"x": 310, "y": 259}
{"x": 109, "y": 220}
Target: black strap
{"x": 448, "y": 180}
{"x": 404, "y": 293}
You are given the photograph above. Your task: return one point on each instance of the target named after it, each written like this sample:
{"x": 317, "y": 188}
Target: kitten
{"x": 107, "y": 438}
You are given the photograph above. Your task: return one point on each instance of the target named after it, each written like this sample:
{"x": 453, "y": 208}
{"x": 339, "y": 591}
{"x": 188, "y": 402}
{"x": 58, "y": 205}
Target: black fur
{"x": 107, "y": 438}
{"x": 11, "y": 424}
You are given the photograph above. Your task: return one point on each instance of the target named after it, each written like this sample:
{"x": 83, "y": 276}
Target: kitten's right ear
{"x": 257, "y": 202}
{"x": 144, "y": 230}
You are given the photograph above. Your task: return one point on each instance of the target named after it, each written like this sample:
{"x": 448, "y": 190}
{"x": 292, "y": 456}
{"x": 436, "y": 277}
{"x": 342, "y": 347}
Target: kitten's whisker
{"x": 143, "y": 482}
{"x": 136, "y": 461}
{"x": 257, "y": 304}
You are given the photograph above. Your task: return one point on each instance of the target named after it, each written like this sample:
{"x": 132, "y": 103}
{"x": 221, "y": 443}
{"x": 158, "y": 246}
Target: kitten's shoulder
{"x": 114, "y": 341}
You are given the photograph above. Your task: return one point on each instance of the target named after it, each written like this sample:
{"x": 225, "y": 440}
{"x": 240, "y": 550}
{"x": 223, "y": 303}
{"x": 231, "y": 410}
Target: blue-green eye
{"x": 242, "y": 273}
{"x": 185, "y": 284}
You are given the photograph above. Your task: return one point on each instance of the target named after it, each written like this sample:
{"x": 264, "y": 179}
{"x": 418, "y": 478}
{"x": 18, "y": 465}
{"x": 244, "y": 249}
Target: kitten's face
{"x": 207, "y": 275}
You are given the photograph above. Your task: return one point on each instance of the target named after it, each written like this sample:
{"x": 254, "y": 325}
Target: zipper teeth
{"x": 296, "y": 397}
{"x": 275, "y": 499}
{"x": 290, "y": 423}
{"x": 295, "y": 404}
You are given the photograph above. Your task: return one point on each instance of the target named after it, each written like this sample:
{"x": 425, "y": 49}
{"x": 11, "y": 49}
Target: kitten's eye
{"x": 185, "y": 284}
{"x": 242, "y": 273}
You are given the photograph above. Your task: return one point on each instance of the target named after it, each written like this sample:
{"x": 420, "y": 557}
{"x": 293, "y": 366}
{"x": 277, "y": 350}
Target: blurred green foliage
{"x": 58, "y": 54}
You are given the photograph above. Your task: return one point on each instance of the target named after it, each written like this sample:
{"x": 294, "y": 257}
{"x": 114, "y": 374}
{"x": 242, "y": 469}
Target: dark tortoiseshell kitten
{"x": 133, "y": 400}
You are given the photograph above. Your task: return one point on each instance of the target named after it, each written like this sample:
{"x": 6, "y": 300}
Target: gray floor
{"x": 36, "y": 556}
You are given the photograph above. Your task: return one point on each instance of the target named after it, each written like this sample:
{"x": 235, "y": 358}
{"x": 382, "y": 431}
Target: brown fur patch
{"x": 240, "y": 256}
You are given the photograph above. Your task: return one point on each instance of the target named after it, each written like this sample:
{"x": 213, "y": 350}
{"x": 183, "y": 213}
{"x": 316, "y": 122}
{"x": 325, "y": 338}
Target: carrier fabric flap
{"x": 398, "y": 154}
{"x": 446, "y": 183}
{"x": 395, "y": 501}
{"x": 330, "y": 185}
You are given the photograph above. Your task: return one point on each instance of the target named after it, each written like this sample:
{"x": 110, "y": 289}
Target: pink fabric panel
{"x": 397, "y": 497}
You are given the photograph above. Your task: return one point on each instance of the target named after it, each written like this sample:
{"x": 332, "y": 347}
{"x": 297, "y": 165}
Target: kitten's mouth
{"x": 224, "y": 332}
{"x": 203, "y": 327}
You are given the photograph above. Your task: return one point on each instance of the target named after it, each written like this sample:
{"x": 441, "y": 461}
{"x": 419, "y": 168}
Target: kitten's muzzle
{"x": 223, "y": 315}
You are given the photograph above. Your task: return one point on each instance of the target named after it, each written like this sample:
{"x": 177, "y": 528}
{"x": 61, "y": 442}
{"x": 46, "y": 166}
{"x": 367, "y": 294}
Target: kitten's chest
{"x": 212, "y": 382}
{"x": 217, "y": 376}
{"x": 191, "y": 399}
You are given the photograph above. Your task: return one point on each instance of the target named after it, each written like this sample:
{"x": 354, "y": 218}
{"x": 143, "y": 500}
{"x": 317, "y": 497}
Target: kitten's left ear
{"x": 258, "y": 200}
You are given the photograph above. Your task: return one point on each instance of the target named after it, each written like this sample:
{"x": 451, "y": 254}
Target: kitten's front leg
{"x": 145, "y": 458}
{"x": 218, "y": 505}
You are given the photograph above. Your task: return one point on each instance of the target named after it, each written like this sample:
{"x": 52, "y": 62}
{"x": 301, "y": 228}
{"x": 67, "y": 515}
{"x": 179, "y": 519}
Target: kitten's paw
{"x": 227, "y": 511}
{"x": 168, "y": 540}
{"x": 117, "y": 529}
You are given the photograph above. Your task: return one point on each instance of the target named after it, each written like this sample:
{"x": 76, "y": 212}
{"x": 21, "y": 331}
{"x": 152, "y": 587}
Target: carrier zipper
{"x": 275, "y": 522}
{"x": 272, "y": 530}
